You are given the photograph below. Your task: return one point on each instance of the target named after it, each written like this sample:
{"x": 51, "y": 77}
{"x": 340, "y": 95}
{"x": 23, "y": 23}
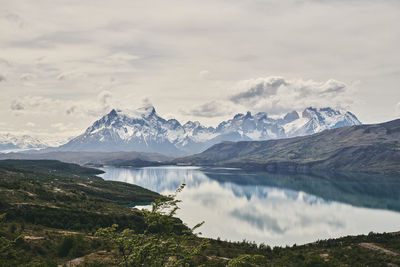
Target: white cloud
{"x": 254, "y": 89}
{"x": 184, "y": 54}
{"x": 60, "y": 126}
{"x": 210, "y": 109}
{"x": 17, "y": 105}
{"x": 204, "y": 74}
{"x": 30, "y": 124}
{"x": 146, "y": 101}
{"x": 35, "y": 104}
{"x": 71, "y": 75}
{"x": 104, "y": 98}
{"x": 71, "y": 110}
{"x": 48, "y": 106}
{"x": 27, "y": 77}
{"x": 103, "y": 104}
{"x": 277, "y": 95}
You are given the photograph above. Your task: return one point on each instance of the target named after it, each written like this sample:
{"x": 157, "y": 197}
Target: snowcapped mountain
{"x": 10, "y": 142}
{"x": 316, "y": 120}
{"x": 144, "y": 130}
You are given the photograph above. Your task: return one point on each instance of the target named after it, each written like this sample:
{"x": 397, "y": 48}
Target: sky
{"x": 64, "y": 64}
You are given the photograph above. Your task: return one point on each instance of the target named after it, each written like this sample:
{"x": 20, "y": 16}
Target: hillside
{"x": 137, "y": 159}
{"x": 360, "y": 148}
{"x": 49, "y": 212}
{"x": 51, "y": 192}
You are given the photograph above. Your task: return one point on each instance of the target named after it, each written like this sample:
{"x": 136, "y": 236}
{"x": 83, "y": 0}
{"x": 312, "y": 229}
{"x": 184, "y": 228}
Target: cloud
{"x": 398, "y": 109}
{"x": 27, "y": 77}
{"x": 71, "y": 75}
{"x": 4, "y": 63}
{"x": 30, "y": 124}
{"x": 12, "y": 19}
{"x": 103, "y": 105}
{"x": 36, "y": 103}
{"x": 104, "y": 98}
{"x": 146, "y": 101}
{"x": 16, "y": 105}
{"x": 97, "y": 108}
{"x": 2, "y": 78}
{"x": 256, "y": 88}
{"x": 204, "y": 74}
{"x": 210, "y": 110}
{"x": 61, "y": 126}
{"x": 120, "y": 58}
{"x": 277, "y": 95}
{"x": 71, "y": 110}
{"x": 150, "y": 51}
{"x": 260, "y": 221}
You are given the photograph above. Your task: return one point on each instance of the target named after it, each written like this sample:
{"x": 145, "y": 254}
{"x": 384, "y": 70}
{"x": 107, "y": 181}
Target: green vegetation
{"x": 67, "y": 196}
{"x": 164, "y": 242}
{"x": 132, "y": 158}
{"x": 75, "y": 226}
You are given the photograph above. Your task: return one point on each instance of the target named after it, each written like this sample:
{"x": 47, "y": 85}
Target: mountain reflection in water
{"x": 275, "y": 209}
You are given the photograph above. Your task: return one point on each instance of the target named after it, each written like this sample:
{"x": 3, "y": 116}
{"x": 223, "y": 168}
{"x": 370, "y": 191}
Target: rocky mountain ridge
{"x": 144, "y": 130}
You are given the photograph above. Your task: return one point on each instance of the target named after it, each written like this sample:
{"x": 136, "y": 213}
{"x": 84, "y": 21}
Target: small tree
{"x": 166, "y": 241}
{"x": 8, "y": 253}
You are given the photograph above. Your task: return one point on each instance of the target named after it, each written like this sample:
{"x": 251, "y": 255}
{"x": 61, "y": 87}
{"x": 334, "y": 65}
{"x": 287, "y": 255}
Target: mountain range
{"x": 145, "y": 131}
{"x": 11, "y": 142}
{"x": 22, "y": 142}
{"x": 361, "y": 148}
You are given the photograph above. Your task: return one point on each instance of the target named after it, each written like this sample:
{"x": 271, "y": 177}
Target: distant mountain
{"x": 360, "y": 148}
{"x": 144, "y": 130}
{"x": 10, "y": 142}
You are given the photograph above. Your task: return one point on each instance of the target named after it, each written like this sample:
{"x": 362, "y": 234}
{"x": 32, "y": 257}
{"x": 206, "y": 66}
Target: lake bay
{"x": 275, "y": 209}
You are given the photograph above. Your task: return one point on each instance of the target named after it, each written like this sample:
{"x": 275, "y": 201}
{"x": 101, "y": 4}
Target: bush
{"x": 72, "y": 246}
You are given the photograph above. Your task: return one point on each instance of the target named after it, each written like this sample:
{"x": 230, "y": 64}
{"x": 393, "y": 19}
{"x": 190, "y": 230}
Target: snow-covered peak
{"x": 10, "y": 142}
{"x": 314, "y": 120}
{"x": 143, "y": 130}
{"x": 261, "y": 116}
{"x": 291, "y": 116}
{"x": 190, "y": 125}
{"x": 331, "y": 117}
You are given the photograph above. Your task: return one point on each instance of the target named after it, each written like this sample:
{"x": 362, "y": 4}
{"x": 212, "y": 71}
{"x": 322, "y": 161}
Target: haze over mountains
{"x": 144, "y": 130}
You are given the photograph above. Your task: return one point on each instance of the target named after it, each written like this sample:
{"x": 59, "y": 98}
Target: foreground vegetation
{"x": 67, "y": 196}
{"x": 54, "y": 214}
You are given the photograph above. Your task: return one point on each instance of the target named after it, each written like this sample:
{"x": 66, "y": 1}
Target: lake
{"x": 275, "y": 209}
